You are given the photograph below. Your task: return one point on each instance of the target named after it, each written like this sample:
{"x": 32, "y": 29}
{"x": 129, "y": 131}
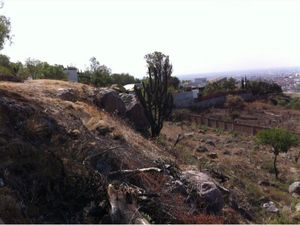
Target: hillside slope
{"x": 59, "y": 154}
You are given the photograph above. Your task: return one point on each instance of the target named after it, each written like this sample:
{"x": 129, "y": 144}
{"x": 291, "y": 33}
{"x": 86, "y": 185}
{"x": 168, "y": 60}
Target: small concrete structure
{"x": 72, "y": 74}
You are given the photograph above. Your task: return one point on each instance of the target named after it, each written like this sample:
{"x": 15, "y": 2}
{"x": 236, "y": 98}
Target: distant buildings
{"x": 72, "y": 74}
{"x": 197, "y": 83}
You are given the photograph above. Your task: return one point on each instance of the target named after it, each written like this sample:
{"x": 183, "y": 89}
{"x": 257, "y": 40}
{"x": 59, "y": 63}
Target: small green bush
{"x": 280, "y": 140}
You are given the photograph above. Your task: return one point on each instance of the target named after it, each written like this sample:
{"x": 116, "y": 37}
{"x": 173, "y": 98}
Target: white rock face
{"x": 294, "y": 188}
{"x": 270, "y": 207}
{"x": 297, "y": 207}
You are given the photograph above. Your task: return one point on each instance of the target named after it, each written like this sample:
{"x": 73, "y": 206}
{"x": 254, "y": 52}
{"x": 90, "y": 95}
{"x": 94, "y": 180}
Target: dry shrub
{"x": 154, "y": 182}
{"x": 201, "y": 219}
{"x": 172, "y": 206}
{"x": 234, "y": 102}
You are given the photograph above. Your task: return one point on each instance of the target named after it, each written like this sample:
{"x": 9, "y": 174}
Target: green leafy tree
{"x": 43, "y": 70}
{"x": 4, "y": 31}
{"x": 123, "y": 79}
{"x": 54, "y": 72}
{"x": 280, "y": 140}
{"x": 4, "y": 61}
{"x": 154, "y": 96}
{"x": 33, "y": 68}
{"x": 258, "y": 87}
{"x": 224, "y": 85}
{"x": 100, "y": 74}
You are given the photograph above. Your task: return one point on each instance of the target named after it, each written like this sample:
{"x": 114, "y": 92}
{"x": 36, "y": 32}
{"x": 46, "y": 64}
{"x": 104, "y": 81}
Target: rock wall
{"x": 185, "y": 100}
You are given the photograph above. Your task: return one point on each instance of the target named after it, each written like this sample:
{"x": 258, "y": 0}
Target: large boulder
{"x": 206, "y": 195}
{"x": 135, "y": 111}
{"x": 67, "y": 94}
{"x": 294, "y": 188}
{"x": 110, "y": 101}
{"x": 118, "y": 88}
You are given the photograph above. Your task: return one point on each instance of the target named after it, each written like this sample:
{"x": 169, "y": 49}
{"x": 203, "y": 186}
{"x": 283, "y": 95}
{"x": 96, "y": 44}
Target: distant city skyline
{"x": 203, "y": 36}
{"x": 237, "y": 73}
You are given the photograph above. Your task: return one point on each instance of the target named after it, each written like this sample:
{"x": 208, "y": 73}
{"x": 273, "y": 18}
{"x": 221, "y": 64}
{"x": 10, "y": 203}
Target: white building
{"x": 72, "y": 74}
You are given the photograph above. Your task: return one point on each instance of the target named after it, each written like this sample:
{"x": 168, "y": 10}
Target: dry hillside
{"x": 64, "y": 159}
{"x": 60, "y": 152}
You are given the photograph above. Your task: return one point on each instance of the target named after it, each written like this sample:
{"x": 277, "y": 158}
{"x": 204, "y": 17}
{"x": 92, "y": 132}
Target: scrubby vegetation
{"x": 224, "y": 85}
{"x": 260, "y": 87}
{"x": 280, "y": 140}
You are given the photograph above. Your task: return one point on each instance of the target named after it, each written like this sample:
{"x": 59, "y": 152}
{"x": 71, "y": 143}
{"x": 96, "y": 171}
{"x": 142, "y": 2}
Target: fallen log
{"x": 136, "y": 171}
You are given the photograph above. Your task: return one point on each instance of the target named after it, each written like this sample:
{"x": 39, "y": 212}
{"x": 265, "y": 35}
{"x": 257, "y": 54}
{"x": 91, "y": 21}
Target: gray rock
{"x": 178, "y": 186}
{"x": 75, "y": 133}
{"x": 297, "y": 207}
{"x": 264, "y": 183}
{"x": 227, "y": 152}
{"x": 201, "y": 149}
{"x": 210, "y": 142}
{"x": 2, "y": 184}
{"x": 110, "y": 101}
{"x": 270, "y": 207}
{"x": 208, "y": 197}
{"x": 212, "y": 155}
{"x": 118, "y": 88}
{"x": 294, "y": 188}
{"x": 135, "y": 111}
{"x": 67, "y": 94}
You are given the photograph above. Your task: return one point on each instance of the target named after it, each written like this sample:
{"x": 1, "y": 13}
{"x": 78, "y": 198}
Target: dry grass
{"x": 244, "y": 163}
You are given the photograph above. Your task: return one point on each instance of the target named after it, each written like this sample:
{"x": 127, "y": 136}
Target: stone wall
{"x": 185, "y": 100}
{"x": 244, "y": 129}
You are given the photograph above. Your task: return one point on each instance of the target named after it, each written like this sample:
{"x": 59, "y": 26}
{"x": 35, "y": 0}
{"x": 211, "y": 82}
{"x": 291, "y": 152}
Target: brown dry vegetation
{"x": 51, "y": 149}
{"x": 241, "y": 164}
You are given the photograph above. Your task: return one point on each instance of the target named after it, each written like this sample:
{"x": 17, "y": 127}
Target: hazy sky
{"x": 199, "y": 36}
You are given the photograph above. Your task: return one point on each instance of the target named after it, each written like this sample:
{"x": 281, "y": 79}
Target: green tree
{"x": 54, "y": 72}
{"x": 258, "y": 87}
{"x": 280, "y": 140}
{"x": 43, "y": 70}
{"x": 154, "y": 96}
{"x": 100, "y": 74}
{"x": 224, "y": 85}
{"x": 33, "y": 68}
{"x": 4, "y": 31}
{"x": 123, "y": 79}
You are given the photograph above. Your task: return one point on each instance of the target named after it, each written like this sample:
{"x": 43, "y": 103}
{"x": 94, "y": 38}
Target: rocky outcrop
{"x": 135, "y": 112}
{"x": 206, "y": 196}
{"x": 270, "y": 207}
{"x": 110, "y": 101}
{"x": 294, "y": 188}
{"x": 67, "y": 94}
{"x": 118, "y": 88}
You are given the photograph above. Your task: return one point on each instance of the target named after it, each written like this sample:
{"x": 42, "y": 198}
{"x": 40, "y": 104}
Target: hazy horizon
{"x": 199, "y": 36}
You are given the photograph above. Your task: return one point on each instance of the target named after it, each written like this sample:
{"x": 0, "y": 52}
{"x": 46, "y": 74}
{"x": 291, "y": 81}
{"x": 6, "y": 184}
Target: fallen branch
{"x": 180, "y": 137}
{"x": 127, "y": 172}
